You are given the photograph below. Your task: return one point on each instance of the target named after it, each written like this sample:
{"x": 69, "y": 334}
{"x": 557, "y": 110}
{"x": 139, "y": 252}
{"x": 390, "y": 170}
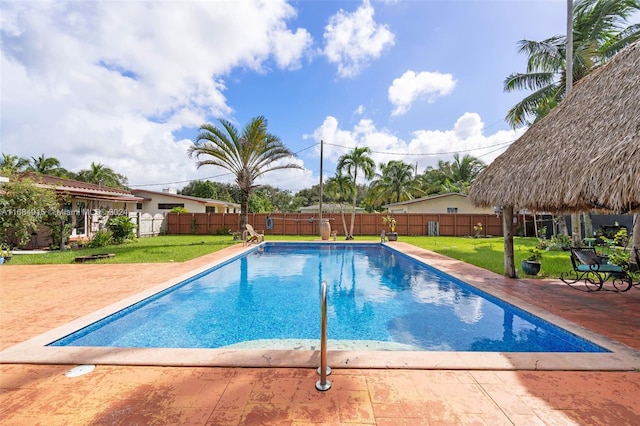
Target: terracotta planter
{"x": 325, "y": 229}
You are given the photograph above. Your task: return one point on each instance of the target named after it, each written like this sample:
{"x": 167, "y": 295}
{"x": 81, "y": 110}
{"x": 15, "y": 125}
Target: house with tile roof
{"x": 86, "y": 206}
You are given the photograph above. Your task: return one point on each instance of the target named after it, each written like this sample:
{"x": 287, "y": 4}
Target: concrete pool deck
{"x": 479, "y": 390}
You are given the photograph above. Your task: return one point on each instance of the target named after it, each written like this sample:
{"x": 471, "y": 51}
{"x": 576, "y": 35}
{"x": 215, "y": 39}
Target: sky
{"x": 128, "y": 83}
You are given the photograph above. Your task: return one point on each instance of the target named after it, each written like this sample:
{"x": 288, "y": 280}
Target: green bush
{"x": 122, "y": 228}
{"x": 223, "y": 231}
{"x": 620, "y": 257}
{"x": 102, "y": 238}
{"x": 559, "y": 242}
{"x": 178, "y": 210}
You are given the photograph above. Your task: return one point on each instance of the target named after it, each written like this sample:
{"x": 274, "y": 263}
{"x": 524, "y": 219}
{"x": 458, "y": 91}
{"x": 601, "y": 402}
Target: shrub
{"x": 621, "y": 238}
{"x": 223, "y": 231}
{"x": 559, "y": 242}
{"x": 178, "y": 210}
{"x": 122, "y": 228}
{"x": 620, "y": 257}
{"x": 102, "y": 238}
{"x": 534, "y": 255}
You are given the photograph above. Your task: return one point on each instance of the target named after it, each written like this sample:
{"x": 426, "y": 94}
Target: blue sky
{"x": 127, "y": 83}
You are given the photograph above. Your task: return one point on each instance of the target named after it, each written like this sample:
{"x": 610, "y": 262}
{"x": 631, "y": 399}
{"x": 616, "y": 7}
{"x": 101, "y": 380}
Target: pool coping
{"x": 621, "y": 357}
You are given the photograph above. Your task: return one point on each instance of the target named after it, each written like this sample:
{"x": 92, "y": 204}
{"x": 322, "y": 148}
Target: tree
{"x": 200, "y": 189}
{"x": 259, "y": 202}
{"x": 598, "y": 34}
{"x": 216, "y": 190}
{"x": 23, "y": 206}
{"x": 309, "y": 196}
{"x": 100, "y": 174}
{"x": 350, "y": 164}
{"x": 453, "y": 176}
{"x": 46, "y": 166}
{"x": 341, "y": 189}
{"x": 248, "y": 155}
{"x": 280, "y": 200}
{"x": 393, "y": 184}
{"x": 12, "y": 163}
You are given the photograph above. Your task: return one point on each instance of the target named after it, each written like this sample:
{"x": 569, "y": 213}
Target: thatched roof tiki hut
{"x": 584, "y": 155}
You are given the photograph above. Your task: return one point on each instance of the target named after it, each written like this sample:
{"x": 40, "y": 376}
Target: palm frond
{"x": 528, "y": 81}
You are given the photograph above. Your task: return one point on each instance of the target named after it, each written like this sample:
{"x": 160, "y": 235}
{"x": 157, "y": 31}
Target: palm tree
{"x": 46, "y": 166}
{"x": 100, "y": 174}
{"x": 394, "y": 183}
{"x": 12, "y": 163}
{"x": 350, "y": 163}
{"x": 248, "y": 155}
{"x": 341, "y": 189}
{"x": 598, "y": 34}
{"x": 455, "y": 176}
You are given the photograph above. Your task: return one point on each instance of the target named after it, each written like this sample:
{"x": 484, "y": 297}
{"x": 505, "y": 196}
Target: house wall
{"x": 151, "y": 206}
{"x": 439, "y": 205}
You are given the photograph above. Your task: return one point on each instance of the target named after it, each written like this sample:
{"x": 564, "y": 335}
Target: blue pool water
{"x": 374, "y": 293}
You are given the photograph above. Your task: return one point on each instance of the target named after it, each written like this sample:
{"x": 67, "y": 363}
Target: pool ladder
{"x": 324, "y": 370}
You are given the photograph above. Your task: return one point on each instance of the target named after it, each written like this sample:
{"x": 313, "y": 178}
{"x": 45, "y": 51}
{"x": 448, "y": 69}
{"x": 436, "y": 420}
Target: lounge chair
{"x": 253, "y": 235}
{"x": 593, "y": 271}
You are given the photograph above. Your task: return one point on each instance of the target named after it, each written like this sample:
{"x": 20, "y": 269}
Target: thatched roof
{"x": 584, "y": 155}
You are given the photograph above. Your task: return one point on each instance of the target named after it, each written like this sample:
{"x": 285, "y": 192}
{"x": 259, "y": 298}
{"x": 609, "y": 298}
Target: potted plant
{"x": 531, "y": 263}
{"x": 477, "y": 230}
{"x": 391, "y": 221}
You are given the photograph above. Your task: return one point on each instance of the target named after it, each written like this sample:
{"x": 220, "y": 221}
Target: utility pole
{"x": 321, "y": 186}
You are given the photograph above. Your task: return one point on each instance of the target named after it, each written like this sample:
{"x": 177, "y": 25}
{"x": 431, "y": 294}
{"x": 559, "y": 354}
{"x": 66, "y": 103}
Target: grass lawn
{"x": 484, "y": 252}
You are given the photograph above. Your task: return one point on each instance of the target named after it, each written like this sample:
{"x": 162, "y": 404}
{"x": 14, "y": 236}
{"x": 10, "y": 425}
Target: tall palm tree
{"x": 598, "y": 34}
{"x": 46, "y": 166}
{"x": 394, "y": 183}
{"x": 349, "y": 164}
{"x": 455, "y": 176}
{"x": 467, "y": 168}
{"x": 12, "y": 163}
{"x": 248, "y": 155}
{"x": 341, "y": 189}
{"x": 100, "y": 174}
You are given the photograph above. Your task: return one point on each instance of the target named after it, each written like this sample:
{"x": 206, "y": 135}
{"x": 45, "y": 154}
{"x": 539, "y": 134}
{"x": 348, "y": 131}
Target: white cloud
{"x": 353, "y": 39}
{"x": 289, "y": 47}
{"x": 112, "y": 82}
{"x": 425, "y": 148}
{"x": 412, "y": 86}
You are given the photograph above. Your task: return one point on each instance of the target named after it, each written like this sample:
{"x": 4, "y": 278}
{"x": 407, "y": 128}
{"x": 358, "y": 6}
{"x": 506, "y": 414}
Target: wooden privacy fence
{"x": 306, "y": 224}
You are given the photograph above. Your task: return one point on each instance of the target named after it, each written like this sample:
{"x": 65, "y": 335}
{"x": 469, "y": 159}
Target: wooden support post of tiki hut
{"x": 507, "y": 225}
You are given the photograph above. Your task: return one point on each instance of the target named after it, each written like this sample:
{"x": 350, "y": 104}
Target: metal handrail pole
{"x": 323, "y": 384}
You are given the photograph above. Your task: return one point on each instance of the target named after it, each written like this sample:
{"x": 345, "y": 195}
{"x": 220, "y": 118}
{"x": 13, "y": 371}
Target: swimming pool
{"x": 376, "y": 295}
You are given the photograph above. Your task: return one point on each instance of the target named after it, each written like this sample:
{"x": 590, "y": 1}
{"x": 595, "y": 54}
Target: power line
{"x": 208, "y": 177}
{"x": 180, "y": 181}
{"x": 501, "y": 144}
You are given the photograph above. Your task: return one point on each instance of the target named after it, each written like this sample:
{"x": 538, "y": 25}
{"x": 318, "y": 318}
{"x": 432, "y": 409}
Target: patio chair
{"x": 634, "y": 266}
{"x": 253, "y": 235}
{"x": 593, "y": 271}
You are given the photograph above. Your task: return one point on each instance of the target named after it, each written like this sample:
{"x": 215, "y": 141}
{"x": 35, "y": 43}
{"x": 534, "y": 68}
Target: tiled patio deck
{"x": 35, "y": 299}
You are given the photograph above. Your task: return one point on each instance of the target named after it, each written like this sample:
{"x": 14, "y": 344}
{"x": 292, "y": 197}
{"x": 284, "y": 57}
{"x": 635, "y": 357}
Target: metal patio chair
{"x": 593, "y": 272}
